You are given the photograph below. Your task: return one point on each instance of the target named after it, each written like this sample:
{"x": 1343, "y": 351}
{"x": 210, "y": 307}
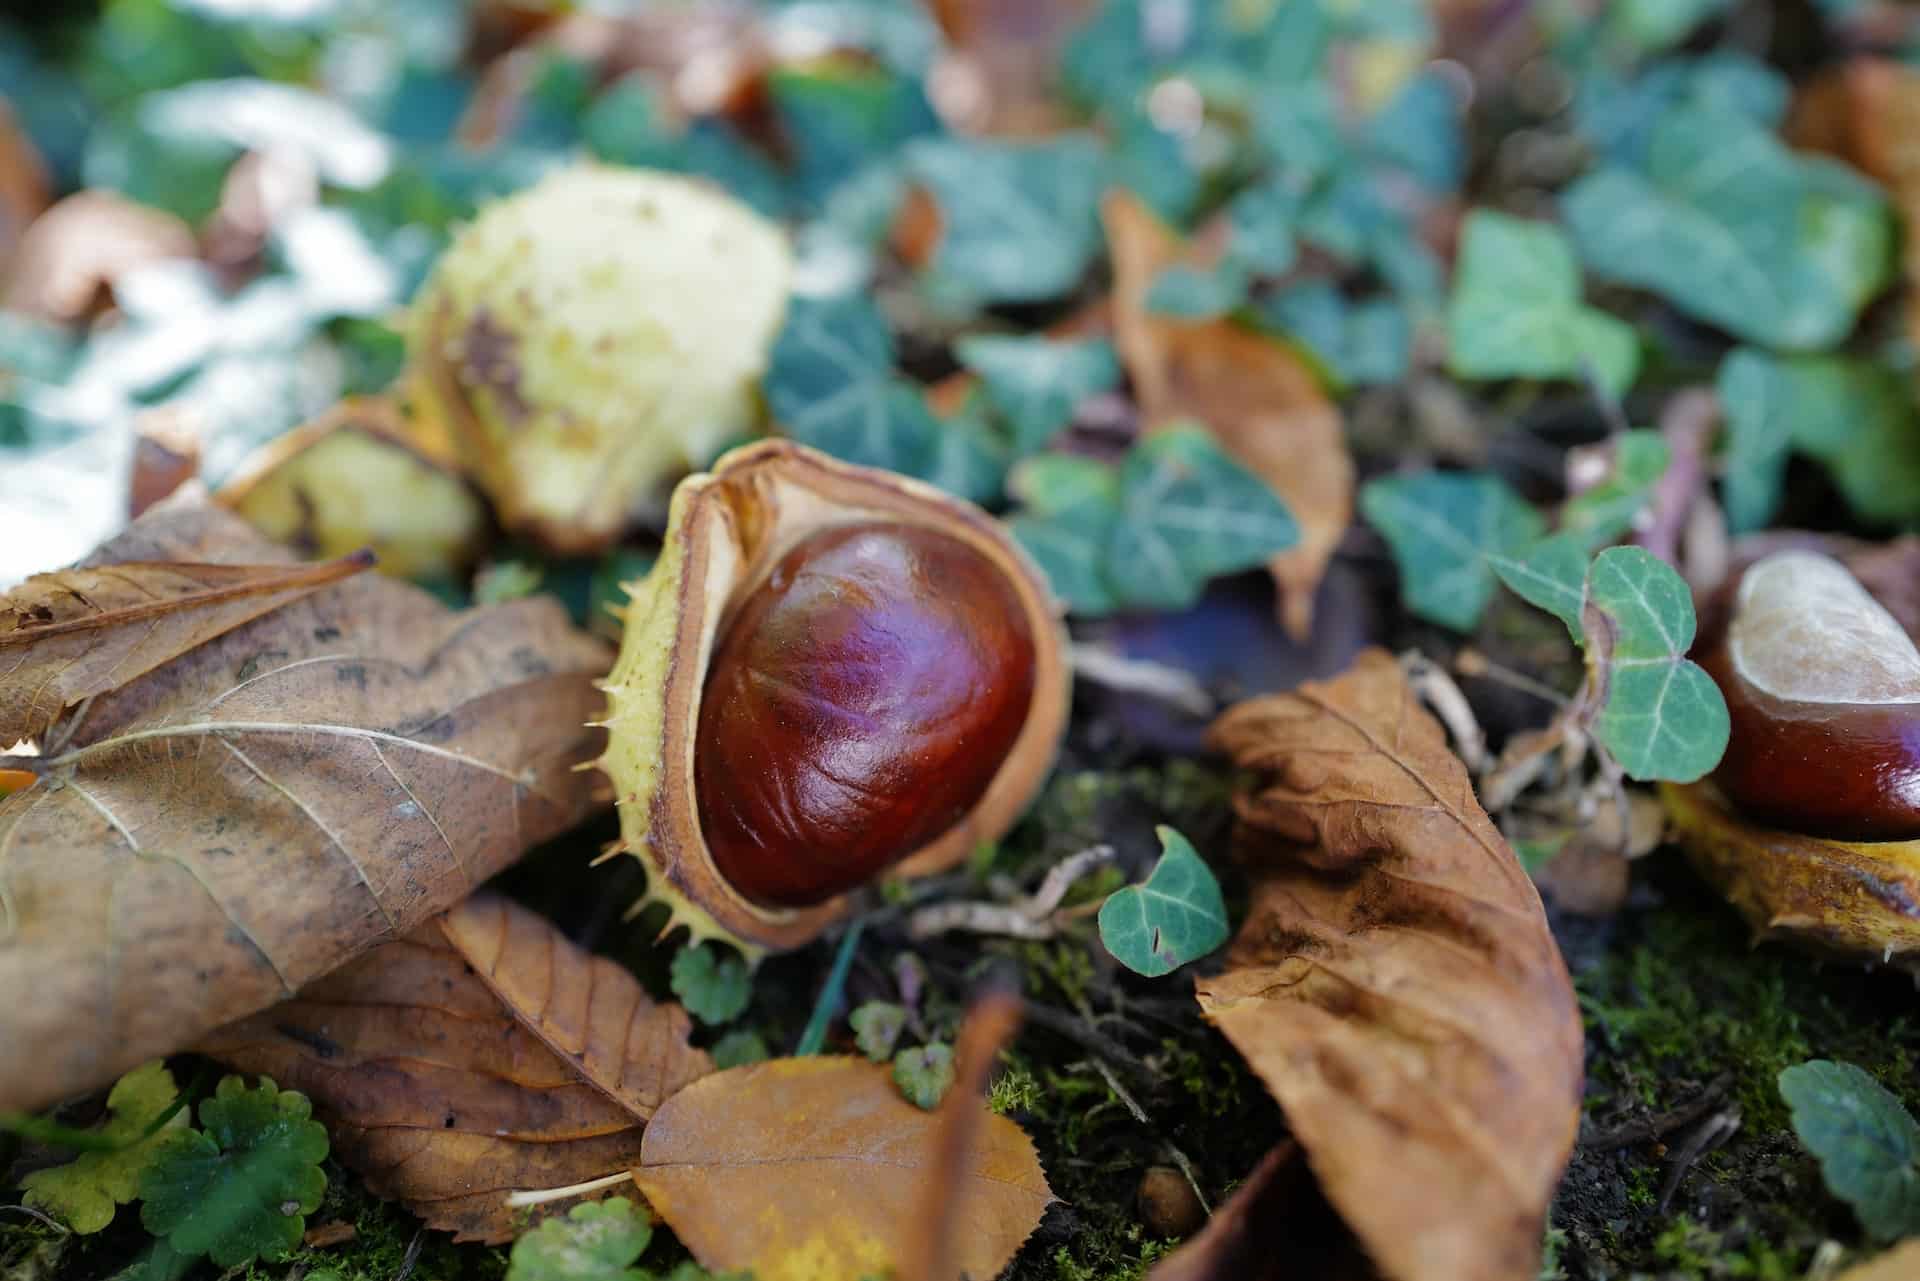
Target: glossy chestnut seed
{"x": 857, "y": 706}
{"x": 1823, "y": 689}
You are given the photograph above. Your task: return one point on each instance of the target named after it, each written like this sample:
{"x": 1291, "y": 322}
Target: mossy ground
{"x": 1676, "y": 1003}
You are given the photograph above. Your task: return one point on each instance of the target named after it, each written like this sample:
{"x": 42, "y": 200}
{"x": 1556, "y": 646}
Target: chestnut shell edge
{"x": 1855, "y": 901}
{"x": 726, "y": 529}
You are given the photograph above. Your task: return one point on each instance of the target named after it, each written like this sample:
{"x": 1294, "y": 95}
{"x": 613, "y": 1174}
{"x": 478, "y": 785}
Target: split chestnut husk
{"x": 831, "y": 671}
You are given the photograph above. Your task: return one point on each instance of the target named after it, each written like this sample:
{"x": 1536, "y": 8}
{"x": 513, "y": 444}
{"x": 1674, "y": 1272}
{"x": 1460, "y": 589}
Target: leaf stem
{"x": 815, "y": 1035}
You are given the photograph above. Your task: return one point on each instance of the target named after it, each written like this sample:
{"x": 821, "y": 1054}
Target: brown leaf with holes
{"x": 75, "y": 633}
{"x": 1394, "y": 984}
{"x": 482, "y": 1054}
{"x": 212, "y": 836}
{"x": 829, "y": 1161}
{"x": 1259, "y": 399}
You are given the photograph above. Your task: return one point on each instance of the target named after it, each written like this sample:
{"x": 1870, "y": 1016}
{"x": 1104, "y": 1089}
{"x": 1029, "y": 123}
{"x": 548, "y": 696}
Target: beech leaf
{"x": 1663, "y": 717}
{"x": 69, "y": 635}
{"x": 1867, "y": 1142}
{"x": 483, "y": 1054}
{"x": 832, "y": 1160}
{"x": 1395, "y": 985}
{"x": 84, "y": 1191}
{"x": 239, "y": 1188}
{"x": 1257, "y": 396}
{"x": 1176, "y": 915}
{"x": 208, "y": 838}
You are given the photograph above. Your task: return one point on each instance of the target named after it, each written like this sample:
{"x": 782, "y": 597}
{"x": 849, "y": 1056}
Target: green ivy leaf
{"x": 1664, "y": 717}
{"x": 1189, "y": 513}
{"x": 1190, "y": 293}
{"x": 1037, "y": 383}
{"x": 1867, "y": 1142}
{"x": 1071, "y": 507}
{"x": 596, "y": 1241}
{"x": 1551, "y": 575}
{"x": 1260, "y": 229}
{"x": 240, "y": 1188}
{"x": 83, "y": 1192}
{"x": 1018, "y": 220}
{"x": 1359, "y": 344}
{"x": 876, "y": 1026}
{"x": 1606, "y": 511}
{"x": 1442, "y": 528}
{"x": 1516, "y": 310}
{"x": 1175, "y": 916}
{"x": 1856, "y": 417}
{"x": 713, "y": 983}
{"x": 1732, "y": 227}
{"x": 830, "y": 383}
{"x": 924, "y": 1074}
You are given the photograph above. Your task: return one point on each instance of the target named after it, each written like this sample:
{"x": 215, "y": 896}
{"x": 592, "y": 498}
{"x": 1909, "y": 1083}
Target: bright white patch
{"x": 1804, "y": 629}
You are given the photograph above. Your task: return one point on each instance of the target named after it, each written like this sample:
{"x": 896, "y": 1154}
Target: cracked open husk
{"x": 585, "y": 342}
{"x": 726, "y": 532}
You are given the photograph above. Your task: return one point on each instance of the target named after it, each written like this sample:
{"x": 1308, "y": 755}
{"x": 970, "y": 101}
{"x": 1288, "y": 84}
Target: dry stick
{"x": 1138, "y": 676}
{"x": 989, "y": 1025}
{"x": 1649, "y": 1128}
{"x": 1436, "y": 689}
{"x": 1706, "y": 1136}
{"x": 1027, "y": 918}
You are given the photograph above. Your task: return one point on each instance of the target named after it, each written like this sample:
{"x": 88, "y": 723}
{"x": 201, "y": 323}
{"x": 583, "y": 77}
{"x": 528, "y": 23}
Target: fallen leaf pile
{"x": 481, "y": 1055}
{"x": 1394, "y": 984}
{"x": 208, "y": 836}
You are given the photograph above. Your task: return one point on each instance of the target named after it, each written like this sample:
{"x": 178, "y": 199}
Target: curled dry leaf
{"x": 1395, "y": 985}
{"x": 74, "y": 252}
{"x": 1847, "y": 900}
{"x": 833, "y": 1160}
{"x": 215, "y": 834}
{"x": 1256, "y": 396}
{"x": 75, "y": 633}
{"x": 482, "y": 1054}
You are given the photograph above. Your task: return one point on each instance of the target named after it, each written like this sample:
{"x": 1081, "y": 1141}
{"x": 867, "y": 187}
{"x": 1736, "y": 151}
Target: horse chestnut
{"x": 1823, "y": 689}
{"x": 860, "y": 703}
{"x": 830, "y": 670}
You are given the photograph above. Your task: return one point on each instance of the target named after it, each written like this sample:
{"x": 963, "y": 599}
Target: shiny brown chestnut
{"x": 1823, "y": 690}
{"x": 830, "y": 671}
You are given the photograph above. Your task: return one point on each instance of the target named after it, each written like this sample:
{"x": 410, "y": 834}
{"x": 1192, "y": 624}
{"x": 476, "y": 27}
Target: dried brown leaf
{"x": 212, "y": 836}
{"x": 1275, "y": 1227}
{"x": 1902, "y": 1263}
{"x": 1395, "y": 985}
{"x": 75, "y": 633}
{"x": 1260, "y": 400}
{"x": 832, "y": 1160}
{"x": 441, "y": 1064}
{"x": 73, "y": 253}
{"x": 24, "y": 185}
{"x": 1001, "y": 70}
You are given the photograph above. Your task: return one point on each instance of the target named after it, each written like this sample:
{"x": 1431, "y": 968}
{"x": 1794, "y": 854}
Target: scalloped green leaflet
{"x": 1867, "y": 1142}
{"x": 1664, "y": 717}
{"x": 1516, "y": 310}
{"x": 1443, "y": 528}
{"x": 242, "y": 1189}
{"x": 1175, "y": 916}
{"x": 1189, "y": 514}
{"x": 596, "y": 1241}
{"x": 84, "y": 1191}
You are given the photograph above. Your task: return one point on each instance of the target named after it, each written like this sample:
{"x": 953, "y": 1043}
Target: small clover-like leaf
{"x": 84, "y": 1191}
{"x": 1443, "y": 528}
{"x": 924, "y": 1074}
{"x": 876, "y": 1026}
{"x": 1189, "y": 513}
{"x": 1516, "y": 309}
{"x": 596, "y": 1241}
{"x": 1663, "y": 717}
{"x": 715, "y": 987}
{"x": 1176, "y": 915}
{"x": 1551, "y": 574}
{"x": 1070, "y": 507}
{"x": 1036, "y": 383}
{"x": 739, "y": 1048}
{"x": 1867, "y": 1142}
{"x": 1606, "y": 511}
{"x": 241, "y": 1188}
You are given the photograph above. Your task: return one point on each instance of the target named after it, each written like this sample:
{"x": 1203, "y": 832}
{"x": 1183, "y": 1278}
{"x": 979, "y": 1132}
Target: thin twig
{"x": 32, "y": 1213}
{"x": 1166, "y": 684}
{"x": 520, "y": 1200}
{"x": 1436, "y": 689}
{"x": 411, "y": 1257}
{"x": 1471, "y": 662}
{"x": 1704, "y": 1138}
{"x": 1120, "y": 1091}
{"x": 1028, "y": 918}
{"x": 1647, "y": 1129}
